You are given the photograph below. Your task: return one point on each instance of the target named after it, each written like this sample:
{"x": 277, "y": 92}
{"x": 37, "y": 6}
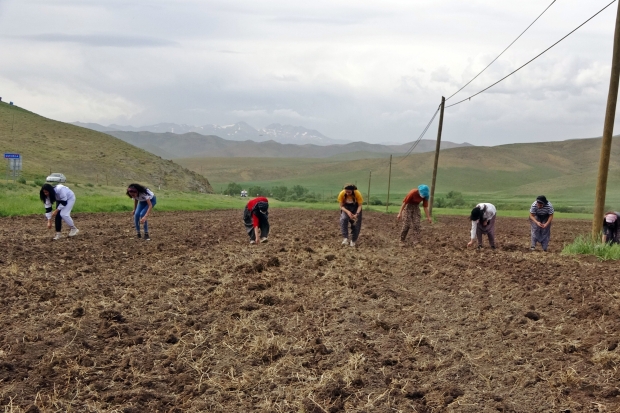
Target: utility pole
{"x": 608, "y": 128}
{"x": 368, "y": 200}
{"x": 387, "y": 204}
{"x": 430, "y": 207}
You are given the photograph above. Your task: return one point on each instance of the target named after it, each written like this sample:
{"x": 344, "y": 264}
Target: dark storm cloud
{"x": 99, "y": 40}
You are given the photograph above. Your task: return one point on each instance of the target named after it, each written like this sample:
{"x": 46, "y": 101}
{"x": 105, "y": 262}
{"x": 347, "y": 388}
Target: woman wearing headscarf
{"x": 410, "y": 212}
{"x": 541, "y": 215}
{"x": 64, "y": 199}
{"x": 350, "y": 200}
{"x": 611, "y": 224}
{"x": 483, "y": 222}
{"x": 256, "y": 219}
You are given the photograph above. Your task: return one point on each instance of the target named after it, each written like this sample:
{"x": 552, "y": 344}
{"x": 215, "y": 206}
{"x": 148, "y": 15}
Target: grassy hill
{"x": 86, "y": 156}
{"x": 170, "y": 145}
{"x": 564, "y": 171}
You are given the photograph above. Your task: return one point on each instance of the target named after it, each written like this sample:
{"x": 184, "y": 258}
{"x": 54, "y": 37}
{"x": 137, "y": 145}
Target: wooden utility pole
{"x": 608, "y": 128}
{"x": 437, "y": 147}
{"x": 387, "y": 204}
{"x": 368, "y": 200}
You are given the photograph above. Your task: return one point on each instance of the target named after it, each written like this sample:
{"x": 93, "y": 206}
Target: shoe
{"x": 264, "y": 239}
{"x": 58, "y": 236}
{"x": 138, "y": 235}
{"x": 479, "y": 247}
{"x": 252, "y": 241}
{"x": 532, "y": 248}
{"x": 74, "y": 231}
{"x": 352, "y": 244}
{"x": 146, "y": 236}
{"x": 493, "y": 247}
{"x": 345, "y": 241}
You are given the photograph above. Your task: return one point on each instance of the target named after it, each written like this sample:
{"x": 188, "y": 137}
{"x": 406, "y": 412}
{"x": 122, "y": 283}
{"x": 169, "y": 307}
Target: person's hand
{"x": 543, "y": 226}
{"x": 430, "y": 220}
{"x": 54, "y": 212}
{"x": 49, "y": 224}
{"x": 539, "y": 224}
{"x": 133, "y": 212}
{"x": 143, "y": 220}
{"x": 398, "y": 216}
{"x": 470, "y": 243}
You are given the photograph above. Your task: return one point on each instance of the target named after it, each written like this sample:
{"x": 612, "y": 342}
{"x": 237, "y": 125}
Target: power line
{"x": 498, "y": 56}
{"x": 413, "y": 146}
{"x": 537, "y": 56}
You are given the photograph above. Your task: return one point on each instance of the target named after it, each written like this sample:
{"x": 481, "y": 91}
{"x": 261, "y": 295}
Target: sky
{"x": 357, "y": 70}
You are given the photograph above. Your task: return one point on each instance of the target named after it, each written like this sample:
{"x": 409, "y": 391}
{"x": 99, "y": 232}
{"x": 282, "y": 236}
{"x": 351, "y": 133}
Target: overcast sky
{"x": 355, "y": 70}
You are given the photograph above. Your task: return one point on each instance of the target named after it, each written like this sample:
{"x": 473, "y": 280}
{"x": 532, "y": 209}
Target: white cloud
{"x": 350, "y": 69}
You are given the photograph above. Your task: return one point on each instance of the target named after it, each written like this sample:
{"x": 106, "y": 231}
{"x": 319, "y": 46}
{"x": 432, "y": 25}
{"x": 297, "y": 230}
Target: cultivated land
{"x": 86, "y": 156}
{"x": 198, "y": 320}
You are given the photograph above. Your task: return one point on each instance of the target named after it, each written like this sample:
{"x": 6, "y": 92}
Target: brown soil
{"x": 198, "y": 320}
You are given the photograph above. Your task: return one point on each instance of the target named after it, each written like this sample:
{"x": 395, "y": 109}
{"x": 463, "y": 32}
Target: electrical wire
{"x": 498, "y": 56}
{"x": 530, "y": 61}
{"x": 413, "y": 146}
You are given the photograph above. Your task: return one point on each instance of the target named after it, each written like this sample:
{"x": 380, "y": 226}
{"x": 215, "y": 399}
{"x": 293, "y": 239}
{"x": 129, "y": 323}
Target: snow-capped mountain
{"x": 239, "y": 131}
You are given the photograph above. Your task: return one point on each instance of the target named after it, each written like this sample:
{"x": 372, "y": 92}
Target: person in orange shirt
{"x": 410, "y": 212}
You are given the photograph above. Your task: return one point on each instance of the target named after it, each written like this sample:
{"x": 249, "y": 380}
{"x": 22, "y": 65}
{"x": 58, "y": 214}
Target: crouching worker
{"x": 64, "y": 199}
{"x": 351, "y": 201}
{"x": 410, "y": 212}
{"x": 611, "y": 222}
{"x": 483, "y": 222}
{"x": 256, "y": 219}
{"x": 143, "y": 202}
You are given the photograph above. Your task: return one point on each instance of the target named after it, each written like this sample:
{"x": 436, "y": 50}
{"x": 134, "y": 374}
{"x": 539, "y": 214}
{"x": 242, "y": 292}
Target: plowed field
{"x": 199, "y": 320}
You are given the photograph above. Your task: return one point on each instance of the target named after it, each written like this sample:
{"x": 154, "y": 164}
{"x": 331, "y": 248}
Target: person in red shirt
{"x": 256, "y": 219}
{"x": 411, "y": 215}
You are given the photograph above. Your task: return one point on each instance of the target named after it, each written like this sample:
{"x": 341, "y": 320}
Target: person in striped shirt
{"x": 541, "y": 215}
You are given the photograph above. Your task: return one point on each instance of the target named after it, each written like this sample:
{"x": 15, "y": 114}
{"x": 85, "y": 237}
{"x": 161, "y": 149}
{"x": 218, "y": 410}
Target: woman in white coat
{"x": 64, "y": 199}
{"x": 483, "y": 222}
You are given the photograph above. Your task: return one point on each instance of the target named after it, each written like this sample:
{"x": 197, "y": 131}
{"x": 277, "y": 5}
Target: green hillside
{"x": 565, "y": 171}
{"x": 86, "y": 156}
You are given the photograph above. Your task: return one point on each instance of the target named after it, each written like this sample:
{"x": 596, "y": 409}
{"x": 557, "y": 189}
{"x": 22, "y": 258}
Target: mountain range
{"x": 240, "y": 131}
{"x": 193, "y": 145}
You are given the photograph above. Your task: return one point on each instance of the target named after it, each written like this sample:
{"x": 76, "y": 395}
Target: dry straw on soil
{"x": 198, "y": 320}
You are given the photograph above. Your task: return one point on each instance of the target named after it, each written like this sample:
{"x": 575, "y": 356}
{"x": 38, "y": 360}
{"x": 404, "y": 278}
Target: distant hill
{"x": 86, "y": 156}
{"x": 565, "y": 170}
{"x": 169, "y": 145}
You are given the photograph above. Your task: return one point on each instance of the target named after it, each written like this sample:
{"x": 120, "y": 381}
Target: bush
{"x": 279, "y": 192}
{"x": 257, "y": 191}
{"x": 21, "y": 180}
{"x": 299, "y": 190}
{"x": 376, "y": 201}
{"x": 233, "y": 189}
{"x": 39, "y": 181}
{"x": 586, "y": 246}
{"x": 89, "y": 185}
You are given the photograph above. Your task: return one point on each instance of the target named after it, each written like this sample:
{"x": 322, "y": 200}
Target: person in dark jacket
{"x": 256, "y": 219}
{"x": 611, "y": 224}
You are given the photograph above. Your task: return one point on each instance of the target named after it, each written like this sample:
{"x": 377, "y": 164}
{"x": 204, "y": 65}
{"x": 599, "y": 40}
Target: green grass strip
{"x": 584, "y": 245}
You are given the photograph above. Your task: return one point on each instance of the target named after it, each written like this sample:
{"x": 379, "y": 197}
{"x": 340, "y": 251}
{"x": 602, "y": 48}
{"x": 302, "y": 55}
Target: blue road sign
{"x": 12, "y": 156}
